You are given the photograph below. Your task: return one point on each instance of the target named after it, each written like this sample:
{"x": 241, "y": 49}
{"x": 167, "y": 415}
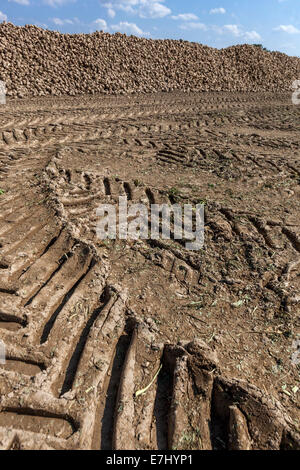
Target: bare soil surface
{"x": 88, "y": 323}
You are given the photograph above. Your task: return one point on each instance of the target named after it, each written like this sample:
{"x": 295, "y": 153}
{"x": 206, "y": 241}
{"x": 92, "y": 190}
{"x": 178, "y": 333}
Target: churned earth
{"x": 122, "y": 344}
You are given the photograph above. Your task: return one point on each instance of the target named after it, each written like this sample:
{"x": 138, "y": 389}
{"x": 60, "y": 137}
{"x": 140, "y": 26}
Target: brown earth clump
{"x": 38, "y": 62}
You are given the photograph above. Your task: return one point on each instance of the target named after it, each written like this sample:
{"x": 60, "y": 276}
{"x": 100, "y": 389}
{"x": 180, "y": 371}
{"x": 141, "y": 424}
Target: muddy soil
{"x": 212, "y": 335}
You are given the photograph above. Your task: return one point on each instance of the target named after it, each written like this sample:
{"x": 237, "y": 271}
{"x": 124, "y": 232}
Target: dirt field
{"x": 88, "y": 323}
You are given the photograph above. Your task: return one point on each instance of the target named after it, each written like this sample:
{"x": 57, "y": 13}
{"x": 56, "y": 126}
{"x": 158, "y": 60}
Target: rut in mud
{"x": 88, "y": 323}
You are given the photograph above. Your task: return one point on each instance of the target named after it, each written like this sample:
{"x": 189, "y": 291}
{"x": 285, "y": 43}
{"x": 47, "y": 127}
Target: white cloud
{"x": 128, "y": 28}
{"x": 141, "y": 8}
{"x": 252, "y": 35}
{"x": 124, "y": 5}
{"x": 101, "y": 24}
{"x": 111, "y": 12}
{"x": 21, "y": 2}
{"x": 57, "y": 21}
{"x": 233, "y": 29}
{"x": 58, "y": 3}
{"x": 287, "y": 28}
{"x": 193, "y": 25}
{"x": 60, "y": 22}
{"x": 185, "y": 17}
{"x": 237, "y": 31}
{"x": 154, "y": 10}
{"x": 3, "y": 17}
{"x": 216, "y": 11}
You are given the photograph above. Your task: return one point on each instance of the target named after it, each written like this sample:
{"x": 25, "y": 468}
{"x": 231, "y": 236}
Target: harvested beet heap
{"x": 38, "y": 62}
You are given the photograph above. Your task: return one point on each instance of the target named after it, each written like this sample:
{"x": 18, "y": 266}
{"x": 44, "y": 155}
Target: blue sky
{"x": 220, "y": 23}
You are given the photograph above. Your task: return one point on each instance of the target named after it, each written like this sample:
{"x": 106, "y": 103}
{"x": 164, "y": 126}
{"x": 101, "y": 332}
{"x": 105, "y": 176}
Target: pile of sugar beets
{"x": 38, "y": 62}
